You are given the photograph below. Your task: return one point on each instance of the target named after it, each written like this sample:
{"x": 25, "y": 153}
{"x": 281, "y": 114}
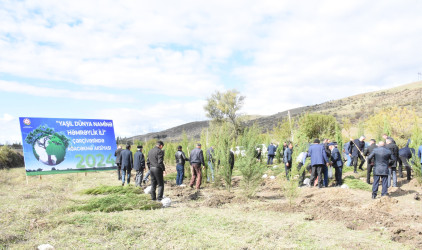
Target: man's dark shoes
{"x": 374, "y": 196}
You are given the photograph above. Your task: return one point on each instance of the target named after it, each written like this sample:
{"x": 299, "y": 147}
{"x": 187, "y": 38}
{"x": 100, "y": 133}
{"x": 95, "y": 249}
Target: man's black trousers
{"x": 157, "y": 179}
{"x": 368, "y": 173}
{"x": 317, "y": 171}
{"x": 355, "y": 161}
{"x": 404, "y": 161}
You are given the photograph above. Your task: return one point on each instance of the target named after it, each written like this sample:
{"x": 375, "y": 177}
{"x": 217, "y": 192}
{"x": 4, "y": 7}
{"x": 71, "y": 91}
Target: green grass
{"x": 354, "y": 183}
{"x": 171, "y": 176}
{"x": 116, "y": 202}
{"x": 112, "y": 190}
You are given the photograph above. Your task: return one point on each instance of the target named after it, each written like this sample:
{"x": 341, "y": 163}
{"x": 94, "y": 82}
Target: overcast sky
{"x": 150, "y": 65}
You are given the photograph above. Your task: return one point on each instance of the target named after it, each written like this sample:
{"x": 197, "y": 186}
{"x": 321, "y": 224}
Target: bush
{"x": 9, "y": 158}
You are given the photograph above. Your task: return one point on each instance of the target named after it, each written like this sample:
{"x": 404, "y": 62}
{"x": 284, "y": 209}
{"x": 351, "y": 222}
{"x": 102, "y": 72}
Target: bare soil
{"x": 398, "y": 215}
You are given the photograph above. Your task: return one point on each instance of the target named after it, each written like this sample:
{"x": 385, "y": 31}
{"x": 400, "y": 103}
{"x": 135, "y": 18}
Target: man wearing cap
{"x": 139, "y": 166}
{"x": 356, "y": 148}
{"x": 383, "y": 158}
{"x": 126, "y": 159}
{"x": 337, "y": 162}
{"x": 157, "y": 169}
{"x": 196, "y": 159}
{"x": 319, "y": 159}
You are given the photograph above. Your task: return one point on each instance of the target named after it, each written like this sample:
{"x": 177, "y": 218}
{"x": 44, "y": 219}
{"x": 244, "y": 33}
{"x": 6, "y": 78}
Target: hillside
{"x": 355, "y": 107}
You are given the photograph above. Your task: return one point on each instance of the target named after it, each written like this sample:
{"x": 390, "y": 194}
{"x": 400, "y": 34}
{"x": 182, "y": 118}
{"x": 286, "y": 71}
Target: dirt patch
{"x": 185, "y": 194}
{"x": 217, "y": 200}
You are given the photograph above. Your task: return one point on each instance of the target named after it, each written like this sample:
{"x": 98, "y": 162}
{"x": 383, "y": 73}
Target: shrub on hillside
{"x": 9, "y": 158}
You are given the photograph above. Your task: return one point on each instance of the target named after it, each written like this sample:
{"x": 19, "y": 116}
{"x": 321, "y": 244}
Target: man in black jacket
{"x": 370, "y": 164}
{"x": 336, "y": 162}
{"x": 356, "y": 148}
{"x": 119, "y": 166}
{"x": 231, "y": 161}
{"x": 180, "y": 165}
{"x": 404, "y": 156}
{"x": 126, "y": 159}
{"x": 393, "y": 164}
{"x": 385, "y": 136}
{"x": 383, "y": 158}
{"x": 287, "y": 159}
{"x": 196, "y": 159}
{"x": 155, "y": 163}
{"x": 139, "y": 166}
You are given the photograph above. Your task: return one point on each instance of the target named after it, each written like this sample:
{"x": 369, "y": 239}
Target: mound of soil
{"x": 217, "y": 200}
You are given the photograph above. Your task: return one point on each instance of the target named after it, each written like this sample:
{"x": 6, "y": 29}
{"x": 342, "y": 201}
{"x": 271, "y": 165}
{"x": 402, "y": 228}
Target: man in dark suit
{"x": 318, "y": 160}
{"x": 336, "y": 162}
{"x": 126, "y": 159}
{"x": 383, "y": 158}
{"x": 271, "y": 153}
{"x": 139, "y": 165}
{"x": 356, "y": 148}
{"x": 287, "y": 159}
{"x": 231, "y": 161}
{"x": 369, "y": 164}
{"x": 405, "y": 154}
{"x": 157, "y": 169}
{"x": 385, "y": 136}
{"x": 119, "y": 166}
{"x": 393, "y": 167}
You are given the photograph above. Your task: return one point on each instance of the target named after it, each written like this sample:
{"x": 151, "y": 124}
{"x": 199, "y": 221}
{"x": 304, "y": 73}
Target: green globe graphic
{"x": 49, "y": 150}
{"x": 48, "y": 146}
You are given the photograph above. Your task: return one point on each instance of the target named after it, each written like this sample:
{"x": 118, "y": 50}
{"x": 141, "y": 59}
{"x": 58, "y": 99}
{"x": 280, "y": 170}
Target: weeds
{"x": 112, "y": 190}
{"x": 354, "y": 183}
{"x": 289, "y": 188}
{"x": 115, "y": 202}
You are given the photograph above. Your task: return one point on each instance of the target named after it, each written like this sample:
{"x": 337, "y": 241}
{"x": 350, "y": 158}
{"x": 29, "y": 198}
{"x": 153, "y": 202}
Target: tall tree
{"x": 225, "y": 106}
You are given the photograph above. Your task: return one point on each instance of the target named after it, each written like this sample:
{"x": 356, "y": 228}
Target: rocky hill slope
{"x": 355, "y": 107}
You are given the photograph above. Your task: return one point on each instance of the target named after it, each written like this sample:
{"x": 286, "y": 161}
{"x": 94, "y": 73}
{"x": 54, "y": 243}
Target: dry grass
{"x": 35, "y": 214}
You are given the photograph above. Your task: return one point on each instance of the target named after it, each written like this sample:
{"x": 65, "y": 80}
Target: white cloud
{"x": 9, "y": 132}
{"x": 299, "y": 52}
{"x": 59, "y": 93}
{"x": 136, "y": 121}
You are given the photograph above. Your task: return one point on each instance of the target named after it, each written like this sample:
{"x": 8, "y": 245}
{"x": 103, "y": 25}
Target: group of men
{"x": 126, "y": 161}
{"x": 381, "y": 158}
{"x": 382, "y": 161}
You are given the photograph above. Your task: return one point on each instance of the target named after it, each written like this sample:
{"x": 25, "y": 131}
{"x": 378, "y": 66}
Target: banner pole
{"x": 26, "y": 180}
{"x": 86, "y": 173}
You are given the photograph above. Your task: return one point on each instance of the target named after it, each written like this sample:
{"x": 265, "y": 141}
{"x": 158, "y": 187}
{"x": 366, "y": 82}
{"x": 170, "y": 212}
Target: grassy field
{"x": 42, "y": 211}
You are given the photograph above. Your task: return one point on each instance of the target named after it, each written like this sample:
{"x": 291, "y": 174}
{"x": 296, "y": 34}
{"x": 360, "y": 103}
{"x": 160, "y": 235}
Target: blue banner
{"x": 58, "y": 145}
